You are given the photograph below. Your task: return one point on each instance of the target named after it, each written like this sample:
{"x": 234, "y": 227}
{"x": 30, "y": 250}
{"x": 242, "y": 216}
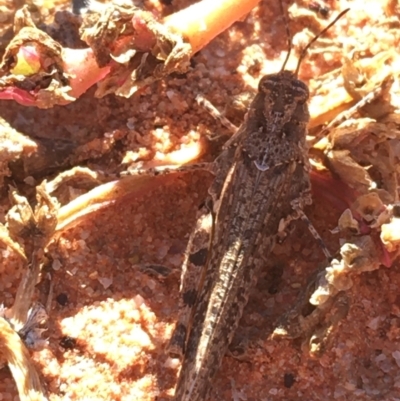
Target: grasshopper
{"x": 261, "y": 184}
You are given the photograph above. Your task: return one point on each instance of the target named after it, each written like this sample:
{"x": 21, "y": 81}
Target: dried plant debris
{"x": 35, "y": 227}
{"x": 38, "y": 70}
{"x": 32, "y": 68}
{"x": 14, "y": 352}
{"x": 14, "y": 146}
{"x": 29, "y": 230}
{"x": 349, "y": 84}
{"x": 142, "y": 48}
{"x": 128, "y": 50}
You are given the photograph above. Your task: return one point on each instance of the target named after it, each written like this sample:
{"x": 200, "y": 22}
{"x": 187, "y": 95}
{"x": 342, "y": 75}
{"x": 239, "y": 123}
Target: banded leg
{"x": 347, "y": 114}
{"x": 212, "y": 110}
{"x": 194, "y": 262}
{"x": 315, "y": 234}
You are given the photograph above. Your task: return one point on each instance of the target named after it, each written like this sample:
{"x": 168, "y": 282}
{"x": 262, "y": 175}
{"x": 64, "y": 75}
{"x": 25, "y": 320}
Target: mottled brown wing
{"x": 253, "y": 203}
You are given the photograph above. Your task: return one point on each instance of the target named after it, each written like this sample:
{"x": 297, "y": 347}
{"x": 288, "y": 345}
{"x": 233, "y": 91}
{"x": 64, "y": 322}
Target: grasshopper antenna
{"x": 289, "y": 37}
{"x": 303, "y": 52}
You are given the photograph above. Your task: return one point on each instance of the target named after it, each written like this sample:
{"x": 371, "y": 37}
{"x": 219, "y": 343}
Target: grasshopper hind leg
{"x": 194, "y": 262}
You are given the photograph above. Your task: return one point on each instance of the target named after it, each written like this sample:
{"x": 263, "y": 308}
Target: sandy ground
{"x": 110, "y": 320}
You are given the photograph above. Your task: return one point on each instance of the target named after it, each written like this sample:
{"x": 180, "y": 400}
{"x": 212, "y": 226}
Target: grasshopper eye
{"x": 267, "y": 84}
{"x": 299, "y": 91}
